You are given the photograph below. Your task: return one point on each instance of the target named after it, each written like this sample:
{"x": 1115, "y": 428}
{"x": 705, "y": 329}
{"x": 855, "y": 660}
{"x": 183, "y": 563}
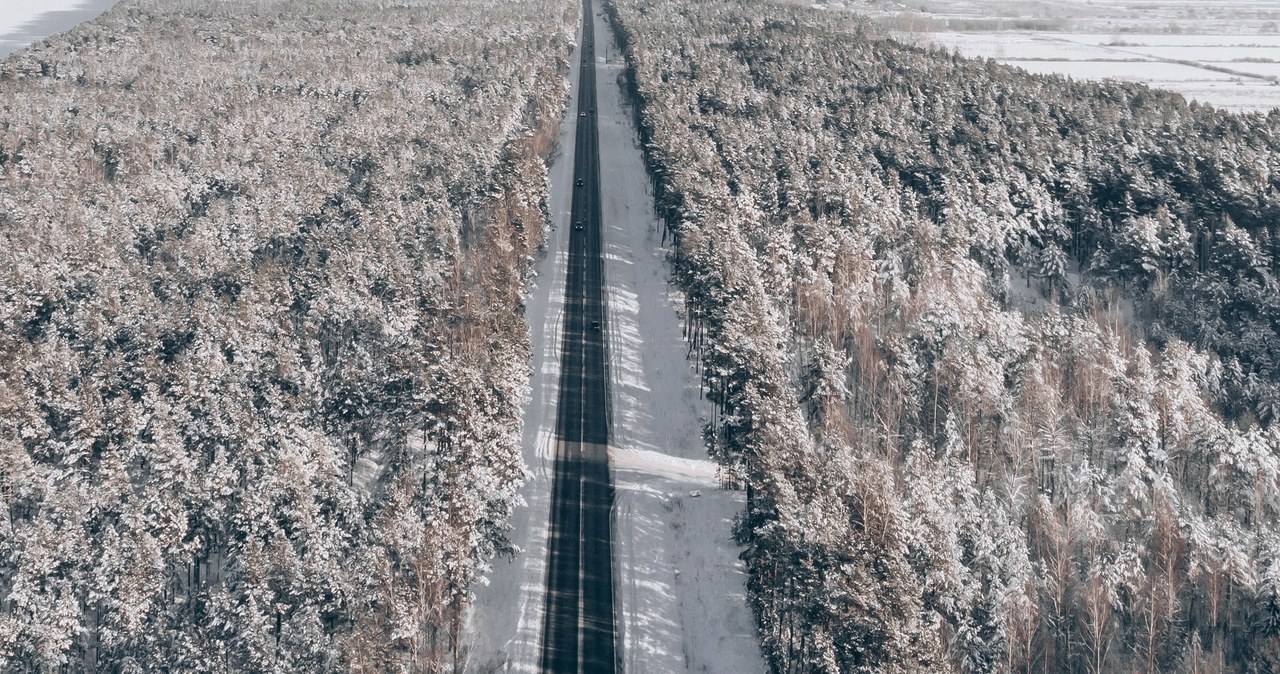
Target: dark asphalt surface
{"x": 579, "y": 632}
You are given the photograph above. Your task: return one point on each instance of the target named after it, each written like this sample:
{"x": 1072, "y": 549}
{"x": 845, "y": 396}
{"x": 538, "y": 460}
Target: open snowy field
{"x": 25, "y": 21}
{"x": 1226, "y": 52}
{"x": 15, "y": 13}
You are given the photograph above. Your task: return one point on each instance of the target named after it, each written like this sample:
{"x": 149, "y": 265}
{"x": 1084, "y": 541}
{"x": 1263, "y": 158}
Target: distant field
{"x": 25, "y": 21}
{"x": 1223, "y": 52}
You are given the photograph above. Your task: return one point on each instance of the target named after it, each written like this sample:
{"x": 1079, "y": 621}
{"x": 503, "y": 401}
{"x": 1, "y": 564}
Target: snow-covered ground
{"x": 1236, "y": 72}
{"x": 25, "y": 21}
{"x": 15, "y": 13}
{"x": 1222, "y": 52}
{"x": 681, "y": 595}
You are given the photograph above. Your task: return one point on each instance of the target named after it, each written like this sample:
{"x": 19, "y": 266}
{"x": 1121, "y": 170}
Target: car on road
{"x": 577, "y": 225}
{"x": 595, "y": 325}
{"x": 580, "y": 182}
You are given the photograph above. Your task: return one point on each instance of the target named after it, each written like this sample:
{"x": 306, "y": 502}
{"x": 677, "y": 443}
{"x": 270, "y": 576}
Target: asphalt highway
{"x": 579, "y": 633}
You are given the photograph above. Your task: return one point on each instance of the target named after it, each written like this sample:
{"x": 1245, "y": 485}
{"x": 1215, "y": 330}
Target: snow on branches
{"x": 264, "y": 359}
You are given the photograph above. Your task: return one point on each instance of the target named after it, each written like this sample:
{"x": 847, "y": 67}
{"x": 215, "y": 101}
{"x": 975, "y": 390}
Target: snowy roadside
{"x": 681, "y": 595}
{"x": 504, "y": 624}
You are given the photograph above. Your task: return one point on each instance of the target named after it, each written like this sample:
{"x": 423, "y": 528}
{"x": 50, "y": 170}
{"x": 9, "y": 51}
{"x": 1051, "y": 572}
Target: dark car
{"x": 577, "y": 225}
{"x": 580, "y": 182}
{"x": 595, "y": 325}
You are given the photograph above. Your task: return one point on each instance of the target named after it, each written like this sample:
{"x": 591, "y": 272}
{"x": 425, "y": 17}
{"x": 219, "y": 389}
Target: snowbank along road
{"x": 679, "y": 600}
{"x": 579, "y": 633}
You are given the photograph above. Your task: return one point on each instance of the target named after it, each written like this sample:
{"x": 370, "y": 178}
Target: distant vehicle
{"x": 582, "y": 114}
{"x": 595, "y": 325}
{"x": 580, "y": 182}
{"x": 577, "y": 225}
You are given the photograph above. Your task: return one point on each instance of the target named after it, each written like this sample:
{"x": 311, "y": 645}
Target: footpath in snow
{"x": 680, "y": 585}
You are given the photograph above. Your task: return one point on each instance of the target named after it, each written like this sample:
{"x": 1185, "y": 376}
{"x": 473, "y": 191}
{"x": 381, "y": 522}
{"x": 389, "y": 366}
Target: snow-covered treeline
{"x": 262, "y": 352}
{"x": 993, "y": 354}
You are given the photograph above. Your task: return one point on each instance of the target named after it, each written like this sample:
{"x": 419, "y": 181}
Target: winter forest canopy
{"x": 994, "y": 354}
{"x": 263, "y": 353}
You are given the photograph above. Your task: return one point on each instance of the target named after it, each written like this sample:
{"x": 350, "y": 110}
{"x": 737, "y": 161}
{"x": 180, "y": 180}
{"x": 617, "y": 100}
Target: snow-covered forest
{"x": 994, "y": 354}
{"x": 261, "y": 281}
